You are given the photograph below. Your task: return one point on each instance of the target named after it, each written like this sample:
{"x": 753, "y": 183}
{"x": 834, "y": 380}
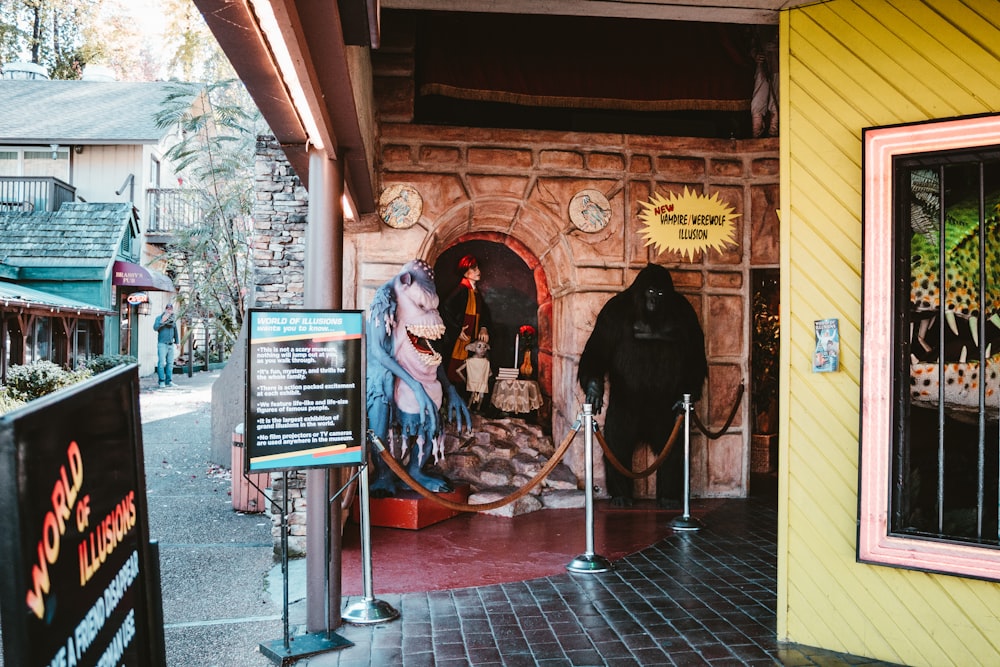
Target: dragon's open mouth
{"x": 960, "y": 366}
{"x": 421, "y": 337}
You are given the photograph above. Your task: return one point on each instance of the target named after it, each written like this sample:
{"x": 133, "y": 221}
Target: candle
{"x": 517, "y": 342}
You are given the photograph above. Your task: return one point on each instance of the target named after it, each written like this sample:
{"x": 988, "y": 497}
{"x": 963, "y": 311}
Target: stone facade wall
{"x": 514, "y": 187}
{"x": 280, "y": 213}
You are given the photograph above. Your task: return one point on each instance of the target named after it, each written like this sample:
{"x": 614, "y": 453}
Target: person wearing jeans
{"x": 166, "y": 337}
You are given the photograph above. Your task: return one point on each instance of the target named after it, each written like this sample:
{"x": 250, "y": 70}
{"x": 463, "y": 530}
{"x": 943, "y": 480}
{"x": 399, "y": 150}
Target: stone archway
{"x": 515, "y": 289}
{"x": 536, "y": 235}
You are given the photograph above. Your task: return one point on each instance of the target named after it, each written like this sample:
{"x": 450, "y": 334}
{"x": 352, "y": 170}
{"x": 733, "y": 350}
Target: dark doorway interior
{"x": 507, "y": 286}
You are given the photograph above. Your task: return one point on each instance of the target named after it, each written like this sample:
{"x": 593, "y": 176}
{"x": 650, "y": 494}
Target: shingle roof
{"x": 83, "y": 112}
{"x": 78, "y": 234}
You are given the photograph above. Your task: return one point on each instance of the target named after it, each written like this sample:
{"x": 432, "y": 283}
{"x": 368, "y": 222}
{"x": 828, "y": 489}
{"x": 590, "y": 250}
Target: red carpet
{"x": 478, "y": 549}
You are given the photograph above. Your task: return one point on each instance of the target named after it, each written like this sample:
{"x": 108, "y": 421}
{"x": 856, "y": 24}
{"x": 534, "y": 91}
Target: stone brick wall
{"x": 279, "y": 230}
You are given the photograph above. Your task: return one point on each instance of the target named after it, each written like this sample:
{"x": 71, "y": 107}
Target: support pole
{"x": 324, "y": 262}
{"x": 686, "y": 522}
{"x": 288, "y": 649}
{"x": 589, "y": 562}
{"x": 368, "y": 610}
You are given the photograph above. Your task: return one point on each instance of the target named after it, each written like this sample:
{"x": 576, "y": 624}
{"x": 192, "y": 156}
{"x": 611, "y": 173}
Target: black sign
{"x": 77, "y": 584}
{"x": 305, "y": 389}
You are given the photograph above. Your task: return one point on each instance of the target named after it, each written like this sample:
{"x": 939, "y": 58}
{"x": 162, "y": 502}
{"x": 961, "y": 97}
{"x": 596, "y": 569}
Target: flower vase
{"x": 526, "y": 368}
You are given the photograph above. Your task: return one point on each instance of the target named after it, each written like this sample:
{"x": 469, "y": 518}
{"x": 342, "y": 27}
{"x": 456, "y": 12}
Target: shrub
{"x": 8, "y": 402}
{"x": 28, "y": 382}
{"x": 103, "y": 362}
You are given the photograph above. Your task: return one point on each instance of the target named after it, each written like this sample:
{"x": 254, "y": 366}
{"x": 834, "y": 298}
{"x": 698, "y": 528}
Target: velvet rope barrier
{"x": 660, "y": 458}
{"x": 477, "y": 507}
{"x": 732, "y": 415}
{"x": 670, "y": 443}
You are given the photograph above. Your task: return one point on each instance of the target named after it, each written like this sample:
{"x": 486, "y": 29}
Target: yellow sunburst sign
{"x": 688, "y": 223}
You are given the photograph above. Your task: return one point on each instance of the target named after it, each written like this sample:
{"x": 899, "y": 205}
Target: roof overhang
{"x": 749, "y": 12}
{"x": 14, "y": 296}
{"x": 294, "y": 59}
{"x": 297, "y": 60}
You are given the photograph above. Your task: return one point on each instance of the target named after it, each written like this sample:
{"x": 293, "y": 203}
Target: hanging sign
{"x": 305, "y": 390}
{"x": 688, "y": 223}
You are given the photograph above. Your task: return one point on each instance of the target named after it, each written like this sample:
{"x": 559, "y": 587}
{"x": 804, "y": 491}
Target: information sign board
{"x": 305, "y": 389}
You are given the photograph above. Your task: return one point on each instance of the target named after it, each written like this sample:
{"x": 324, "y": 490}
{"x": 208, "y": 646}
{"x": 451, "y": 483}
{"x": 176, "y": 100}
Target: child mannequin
{"x": 477, "y": 368}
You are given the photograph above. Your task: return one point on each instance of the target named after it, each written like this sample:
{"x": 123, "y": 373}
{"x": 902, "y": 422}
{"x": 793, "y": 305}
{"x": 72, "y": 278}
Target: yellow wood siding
{"x": 847, "y": 65}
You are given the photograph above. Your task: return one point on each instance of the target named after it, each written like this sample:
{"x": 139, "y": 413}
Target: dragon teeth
{"x": 974, "y": 329}
{"x": 950, "y": 319}
{"x": 426, "y": 330}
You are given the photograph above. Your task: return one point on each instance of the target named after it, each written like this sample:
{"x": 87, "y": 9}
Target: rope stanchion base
{"x": 686, "y": 524}
{"x": 369, "y": 610}
{"x": 589, "y": 564}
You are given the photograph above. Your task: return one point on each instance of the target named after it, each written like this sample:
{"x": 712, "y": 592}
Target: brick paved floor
{"x": 694, "y": 598}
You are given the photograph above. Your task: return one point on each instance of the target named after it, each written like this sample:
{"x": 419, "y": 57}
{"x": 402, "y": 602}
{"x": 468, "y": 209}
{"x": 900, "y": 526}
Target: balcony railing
{"x": 34, "y": 193}
{"x": 170, "y": 210}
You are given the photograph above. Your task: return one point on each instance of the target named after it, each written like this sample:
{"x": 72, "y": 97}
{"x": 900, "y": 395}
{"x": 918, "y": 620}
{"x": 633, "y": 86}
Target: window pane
{"x": 38, "y": 347}
{"x": 946, "y": 421}
{"x": 8, "y": 163}
{"x": 41, "y": 163}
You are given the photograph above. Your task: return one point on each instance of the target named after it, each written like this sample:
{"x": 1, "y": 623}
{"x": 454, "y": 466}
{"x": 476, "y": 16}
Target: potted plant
{"x": 764, "y": 385}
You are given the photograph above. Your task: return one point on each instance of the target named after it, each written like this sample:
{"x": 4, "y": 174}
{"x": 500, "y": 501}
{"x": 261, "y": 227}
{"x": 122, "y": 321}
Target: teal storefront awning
{"x": 19, "y": 296}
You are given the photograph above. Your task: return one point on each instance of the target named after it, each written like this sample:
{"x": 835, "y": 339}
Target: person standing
{"x": 166, "y": 337}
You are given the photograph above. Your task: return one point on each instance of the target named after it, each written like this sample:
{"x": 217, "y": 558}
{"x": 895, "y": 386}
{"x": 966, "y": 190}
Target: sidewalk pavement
{"x": 214, "y": 561}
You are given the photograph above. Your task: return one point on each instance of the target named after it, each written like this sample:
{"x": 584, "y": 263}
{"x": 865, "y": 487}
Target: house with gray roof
{"x": 87, "y": 198}
{"x": 57, "y": 270}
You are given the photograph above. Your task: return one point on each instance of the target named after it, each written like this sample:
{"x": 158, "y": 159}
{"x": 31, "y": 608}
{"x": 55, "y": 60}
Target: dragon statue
{"x": 407, "y": 385}
{"x": 960, "y": 361}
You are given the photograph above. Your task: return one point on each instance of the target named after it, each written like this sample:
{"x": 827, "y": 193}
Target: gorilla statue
{"x": 647, "y": 341}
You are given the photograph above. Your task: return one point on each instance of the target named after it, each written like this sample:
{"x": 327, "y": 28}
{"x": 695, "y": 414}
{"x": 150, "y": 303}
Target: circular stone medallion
{"x": 400, "y": 206}
{"x": 589, "y": 211}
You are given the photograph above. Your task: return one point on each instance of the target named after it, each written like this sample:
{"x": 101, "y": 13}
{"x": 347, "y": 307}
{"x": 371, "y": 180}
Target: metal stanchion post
{"x": 687, "y": 522}
{"x": 589, "y": 562}
{"x": 367, "y": 610}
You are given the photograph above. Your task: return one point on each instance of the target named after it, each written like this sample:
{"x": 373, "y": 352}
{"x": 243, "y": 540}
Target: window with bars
{"x": 930, "y": 470}
{"x": 948, "y": 333}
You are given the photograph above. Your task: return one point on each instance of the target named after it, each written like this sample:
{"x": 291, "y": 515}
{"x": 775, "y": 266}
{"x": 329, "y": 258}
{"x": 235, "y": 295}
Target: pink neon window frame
{"x": 875, "y": 544}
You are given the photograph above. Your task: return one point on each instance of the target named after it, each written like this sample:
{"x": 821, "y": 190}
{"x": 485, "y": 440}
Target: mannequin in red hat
{"x": 464, "y": 313}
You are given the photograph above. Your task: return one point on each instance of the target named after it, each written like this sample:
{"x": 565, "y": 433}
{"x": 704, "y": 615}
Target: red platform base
{"x": 408, "y": 509}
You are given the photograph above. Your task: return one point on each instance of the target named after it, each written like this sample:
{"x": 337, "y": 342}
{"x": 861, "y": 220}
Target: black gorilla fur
{"x": 649, "y": 344}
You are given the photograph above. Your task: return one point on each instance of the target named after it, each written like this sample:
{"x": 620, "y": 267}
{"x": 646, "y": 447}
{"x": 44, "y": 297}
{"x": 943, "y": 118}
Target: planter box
{"x": 763, "y": 453}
